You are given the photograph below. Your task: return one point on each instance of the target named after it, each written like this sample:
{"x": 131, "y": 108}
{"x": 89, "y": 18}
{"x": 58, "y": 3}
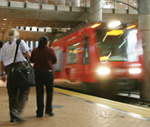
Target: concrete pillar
{"x": 96, "y": 10}
{"x": 144, "y": 28}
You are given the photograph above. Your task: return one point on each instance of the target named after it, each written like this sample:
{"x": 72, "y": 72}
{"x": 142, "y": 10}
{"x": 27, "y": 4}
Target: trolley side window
{"x": 86, "y": 50}
{"x": 59, "y": 66}
{"x": 73, "y": 51}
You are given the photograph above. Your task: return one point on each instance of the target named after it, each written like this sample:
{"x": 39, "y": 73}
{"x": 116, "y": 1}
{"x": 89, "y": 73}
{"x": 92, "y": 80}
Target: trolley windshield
{"x": 117, "y": 45}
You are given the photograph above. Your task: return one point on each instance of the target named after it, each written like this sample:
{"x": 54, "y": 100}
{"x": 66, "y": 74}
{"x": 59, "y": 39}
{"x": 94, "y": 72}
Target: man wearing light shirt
{"x": 17, "y": 96}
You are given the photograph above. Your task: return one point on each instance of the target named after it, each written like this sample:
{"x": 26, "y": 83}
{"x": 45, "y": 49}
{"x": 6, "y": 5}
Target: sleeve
{"x": 31, "y": 58}
{"x": 54, "y": 59}
{"x": 1, "y": 58}
{"x": 24, "y": 46}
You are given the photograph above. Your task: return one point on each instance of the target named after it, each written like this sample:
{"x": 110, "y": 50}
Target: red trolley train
{"x": 99, "y": 60}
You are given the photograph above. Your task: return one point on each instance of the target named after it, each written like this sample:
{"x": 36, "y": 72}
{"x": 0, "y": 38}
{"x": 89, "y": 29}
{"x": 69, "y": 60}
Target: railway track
{"x": 133, "y": 99}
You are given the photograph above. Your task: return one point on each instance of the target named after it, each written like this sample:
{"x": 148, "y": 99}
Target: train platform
{"x": 74, "y": 109}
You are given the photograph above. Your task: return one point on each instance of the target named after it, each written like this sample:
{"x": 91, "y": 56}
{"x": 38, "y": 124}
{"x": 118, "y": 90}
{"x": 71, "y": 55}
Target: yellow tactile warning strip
{"x": 132, "y": 110}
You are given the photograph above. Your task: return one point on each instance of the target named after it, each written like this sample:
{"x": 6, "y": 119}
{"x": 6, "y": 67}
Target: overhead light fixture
{"x": 114, "y": 24}
{"x": 130, "y": 27}
{"x": 4, "y": 19}
{"x": 95, "y": 25}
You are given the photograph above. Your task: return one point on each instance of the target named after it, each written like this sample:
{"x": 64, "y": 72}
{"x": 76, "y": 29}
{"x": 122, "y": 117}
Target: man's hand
{"x": 4, "y": 78}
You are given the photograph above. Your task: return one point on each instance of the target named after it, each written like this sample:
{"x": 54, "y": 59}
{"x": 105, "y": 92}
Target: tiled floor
{"x": 69, "y": 112}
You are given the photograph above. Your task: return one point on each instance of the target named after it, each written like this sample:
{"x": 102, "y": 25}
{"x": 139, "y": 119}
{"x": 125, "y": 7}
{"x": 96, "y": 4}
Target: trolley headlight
{"x": 135, "y": 70}
{"x": 103, "y": 71}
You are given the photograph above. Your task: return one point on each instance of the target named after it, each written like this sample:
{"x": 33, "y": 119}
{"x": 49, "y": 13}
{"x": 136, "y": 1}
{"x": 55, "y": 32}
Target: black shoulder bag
{"x": 23, "y": 76}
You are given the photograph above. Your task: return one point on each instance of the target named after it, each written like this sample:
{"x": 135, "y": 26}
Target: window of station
{"x": 27, "y": 28}
{"x": 73, "y": 51}
{"x": 36, "y": 44}
{"x": 21, "y": 28}
{"x": 41, "y": 29}
{"x": 31, "y": 45}
{"x": 86, "y": 50}
{"x": 34, "y": 28}
{"x": 48, "y": 29}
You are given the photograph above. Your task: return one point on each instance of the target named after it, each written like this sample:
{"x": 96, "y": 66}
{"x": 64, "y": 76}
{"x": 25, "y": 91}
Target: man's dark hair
{"x": 43, "y": 42}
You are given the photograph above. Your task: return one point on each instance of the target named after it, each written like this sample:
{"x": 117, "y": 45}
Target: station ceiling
{"x": 59, "y": 21}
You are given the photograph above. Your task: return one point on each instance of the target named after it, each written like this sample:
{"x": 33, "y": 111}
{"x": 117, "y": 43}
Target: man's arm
{"x": 28, "y": 54}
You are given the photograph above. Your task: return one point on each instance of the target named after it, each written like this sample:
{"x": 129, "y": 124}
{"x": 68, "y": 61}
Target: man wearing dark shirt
{"x": 43, "y": 58}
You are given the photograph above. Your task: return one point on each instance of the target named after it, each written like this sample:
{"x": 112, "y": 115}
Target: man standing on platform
{"x": 17, "y": 96}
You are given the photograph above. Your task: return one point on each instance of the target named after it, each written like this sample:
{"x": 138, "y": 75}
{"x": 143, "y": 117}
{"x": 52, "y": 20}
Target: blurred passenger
{"x": 43, "y": 58}
{"x": 17, "y": 96}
